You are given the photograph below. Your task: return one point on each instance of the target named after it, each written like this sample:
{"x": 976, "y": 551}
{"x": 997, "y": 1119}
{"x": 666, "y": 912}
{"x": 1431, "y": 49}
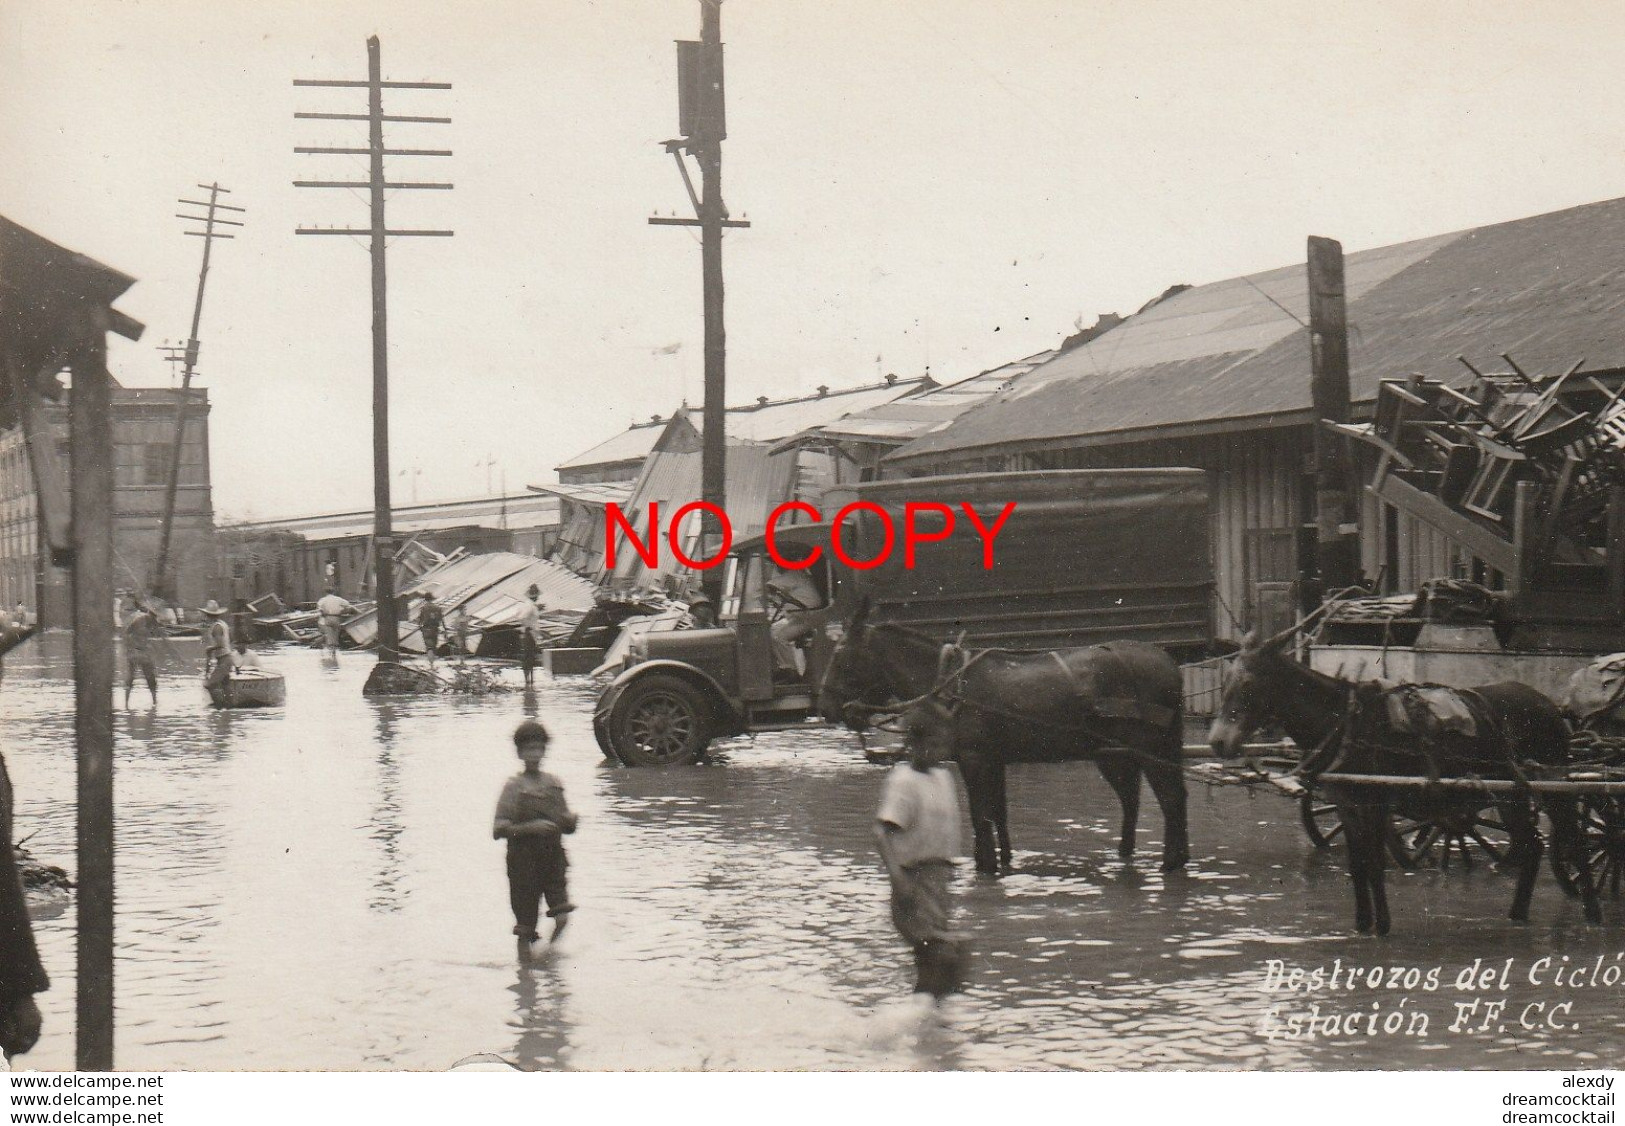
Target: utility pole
{"x": 703, "y": 122}
{"x": 377, "y": 232}
{"x": 1337, "y": 547}
{"x": 211, "y": 218}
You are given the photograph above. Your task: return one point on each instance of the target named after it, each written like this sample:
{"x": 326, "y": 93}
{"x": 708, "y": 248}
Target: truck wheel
{"x": 660, "y": 721}
{"x": 601, "y": 733}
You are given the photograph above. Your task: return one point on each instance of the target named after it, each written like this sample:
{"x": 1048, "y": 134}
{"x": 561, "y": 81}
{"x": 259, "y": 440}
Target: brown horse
{"x": 1346, "y": 728}
{"x": 1118, "y": 705}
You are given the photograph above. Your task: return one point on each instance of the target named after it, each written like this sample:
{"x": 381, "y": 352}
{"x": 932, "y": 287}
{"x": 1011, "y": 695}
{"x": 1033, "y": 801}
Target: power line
{"x": 211, "y": 220}
{"x": 378, "y": 232}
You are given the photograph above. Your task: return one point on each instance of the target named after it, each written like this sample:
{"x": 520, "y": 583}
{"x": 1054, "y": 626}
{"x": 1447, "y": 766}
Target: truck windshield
{"x": 744, "y": 587}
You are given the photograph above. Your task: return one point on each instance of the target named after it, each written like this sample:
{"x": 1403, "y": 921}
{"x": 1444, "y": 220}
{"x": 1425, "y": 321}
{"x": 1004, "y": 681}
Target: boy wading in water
{"x": 533, "y": 817}
{"x": 918, "y": 828}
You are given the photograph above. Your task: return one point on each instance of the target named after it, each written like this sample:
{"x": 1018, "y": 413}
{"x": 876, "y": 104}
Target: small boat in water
{"x": 249, "y": 688}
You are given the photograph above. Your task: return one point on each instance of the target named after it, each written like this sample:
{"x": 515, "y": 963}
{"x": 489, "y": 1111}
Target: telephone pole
{"x": 702, "y": 121}
{"x": 378, "y": 232}
{"x": 210, "y": 218}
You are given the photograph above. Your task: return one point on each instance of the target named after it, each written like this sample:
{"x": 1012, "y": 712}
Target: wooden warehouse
{"x": 1217, "y": 377}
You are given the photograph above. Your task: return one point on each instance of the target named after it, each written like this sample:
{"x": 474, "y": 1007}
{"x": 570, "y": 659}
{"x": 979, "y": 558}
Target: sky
{"x": 946, "y": 186}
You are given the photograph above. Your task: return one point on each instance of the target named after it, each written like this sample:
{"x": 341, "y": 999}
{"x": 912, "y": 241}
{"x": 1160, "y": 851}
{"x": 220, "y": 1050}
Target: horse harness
{"x": 1333, "y": 751}
{"x": 955, "y": 662}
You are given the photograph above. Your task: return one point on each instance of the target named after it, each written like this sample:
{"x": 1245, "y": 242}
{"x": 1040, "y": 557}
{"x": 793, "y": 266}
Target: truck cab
{"x": 757, "y": 670}
{"x": 1087, "y": 556}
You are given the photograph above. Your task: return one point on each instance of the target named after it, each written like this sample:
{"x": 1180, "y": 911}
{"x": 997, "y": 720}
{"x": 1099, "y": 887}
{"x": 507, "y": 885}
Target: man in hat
{"x": 530, "y": 630}
{"x": 702, "y": 612}
{"x": 216, "y": 645}
{"x": 919, "y": 833}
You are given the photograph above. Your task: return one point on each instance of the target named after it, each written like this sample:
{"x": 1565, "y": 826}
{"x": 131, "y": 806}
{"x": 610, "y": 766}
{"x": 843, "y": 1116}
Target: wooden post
{"x": 707, "y": 149}
{"x": 91, "y": 476}
{"x": 1616, "y": 551}
{"x": 1337, "y": 546}
{"x": 383, "y": 540}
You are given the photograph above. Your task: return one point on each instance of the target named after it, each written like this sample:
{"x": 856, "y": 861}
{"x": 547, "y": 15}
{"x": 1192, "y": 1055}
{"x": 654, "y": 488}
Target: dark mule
{"x": 1118, "y": 705}
{"x": 1345, "y": 728}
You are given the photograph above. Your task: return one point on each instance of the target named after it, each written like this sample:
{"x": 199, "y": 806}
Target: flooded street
{"x": 315, "y": 887}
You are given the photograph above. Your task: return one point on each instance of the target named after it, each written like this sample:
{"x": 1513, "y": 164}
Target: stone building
{"x": 143, "y": 438}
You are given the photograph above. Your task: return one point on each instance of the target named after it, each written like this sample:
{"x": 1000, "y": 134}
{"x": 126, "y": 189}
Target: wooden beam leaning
{"x": 91, "y": 434}
{"x": 1429, "y": 509}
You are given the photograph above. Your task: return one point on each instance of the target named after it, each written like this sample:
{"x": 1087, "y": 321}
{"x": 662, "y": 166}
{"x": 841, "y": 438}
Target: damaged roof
{"x": 900, "y": 420}
{"x": 766, "y": 420}
{"x": 1233, "y": 354}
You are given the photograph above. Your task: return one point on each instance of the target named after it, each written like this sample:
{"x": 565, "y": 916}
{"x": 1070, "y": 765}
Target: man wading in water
{"x": 139, "y": 634}
{"x": 918, "y": 829}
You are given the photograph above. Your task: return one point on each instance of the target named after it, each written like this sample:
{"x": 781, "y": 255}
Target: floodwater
{"x": 315, "y": 887}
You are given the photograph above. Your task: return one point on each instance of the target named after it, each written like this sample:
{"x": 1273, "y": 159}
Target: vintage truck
{"x": 1086, "y": 556}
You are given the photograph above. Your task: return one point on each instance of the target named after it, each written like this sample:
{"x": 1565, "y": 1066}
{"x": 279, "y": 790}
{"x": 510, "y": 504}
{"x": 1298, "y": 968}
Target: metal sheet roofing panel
{"x": 907, "y": 418}
{"x": 490, "y": 587}
{"x": 526, "y": 510}
{"x": 752, "y": 422}
{"x": 597, "y": 492}
{"x": 629, "y": 445}
{"x": 756, "y": 483}
{"x": 1548, "y": 289}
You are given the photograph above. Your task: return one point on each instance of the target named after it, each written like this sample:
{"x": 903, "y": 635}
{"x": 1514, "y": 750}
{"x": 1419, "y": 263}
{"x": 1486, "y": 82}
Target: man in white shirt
{"x": 920, "y": 835}
{"x": 332, "y": 610}
{"x": 530, "y": 630}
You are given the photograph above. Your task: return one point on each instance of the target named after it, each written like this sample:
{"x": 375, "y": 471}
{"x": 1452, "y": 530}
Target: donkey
{"x": 1119, "y": 706}
{"x": 1345, "y": 728}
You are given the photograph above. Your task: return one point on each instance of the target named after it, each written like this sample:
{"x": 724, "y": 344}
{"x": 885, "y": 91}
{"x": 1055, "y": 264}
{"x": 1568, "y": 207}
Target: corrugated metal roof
{"x": 903, "y": 419}
{"x": 629, "y": 445}
{"x": 526, "y": 510}
{"x": 752, "y": 422}
{"x": 756, "y": 483}
{"x": 780, "y": 420}
{"x": 490, "y": 586}
{"x": 592, "y": 493}
{"x": 1547, "y": 289}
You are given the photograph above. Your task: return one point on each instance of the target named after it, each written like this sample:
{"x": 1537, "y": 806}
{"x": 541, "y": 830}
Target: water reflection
{"x": 541, "y": 1016}
{"x": 315, "y": 887}
{"x": 387, "y": 827}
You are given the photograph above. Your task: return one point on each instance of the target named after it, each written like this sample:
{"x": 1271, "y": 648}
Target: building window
{"x": 155, "y": 465}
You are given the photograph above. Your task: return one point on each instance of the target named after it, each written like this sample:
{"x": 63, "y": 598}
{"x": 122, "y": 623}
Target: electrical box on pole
{"x": 701, "y": 112}
{"x": 703, "y": 122}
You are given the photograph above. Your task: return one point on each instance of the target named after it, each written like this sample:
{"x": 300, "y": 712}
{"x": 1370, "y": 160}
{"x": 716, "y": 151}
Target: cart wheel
{"x": 660, "y": 721}
{"x": 1456, "y": 837}
{"x": 1321, "y": 824}
{"x": 1602, "y": 835}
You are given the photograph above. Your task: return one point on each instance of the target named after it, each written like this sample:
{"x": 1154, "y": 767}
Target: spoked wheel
{"x": 1461, "y": 837}
{"x": 660, "y": 721}
{"x": 1602, "y": 835}
{"x": 1321, "y": 823}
